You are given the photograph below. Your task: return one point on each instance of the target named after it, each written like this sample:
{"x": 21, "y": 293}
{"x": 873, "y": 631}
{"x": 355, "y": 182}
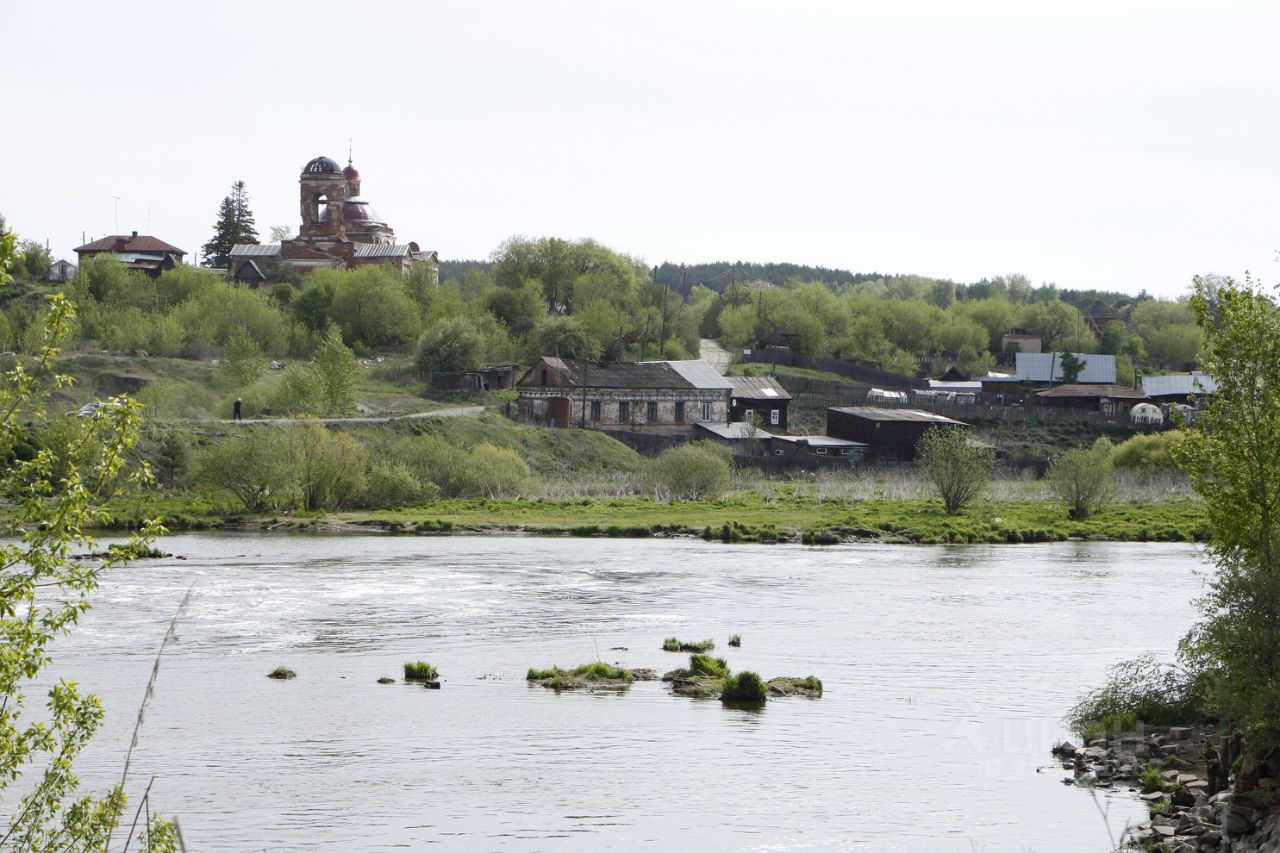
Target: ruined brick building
{"x": 339, "y": 229}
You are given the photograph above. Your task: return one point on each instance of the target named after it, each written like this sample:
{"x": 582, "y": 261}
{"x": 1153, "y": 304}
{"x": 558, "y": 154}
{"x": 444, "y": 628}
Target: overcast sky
{"x": 1113, "y": 145}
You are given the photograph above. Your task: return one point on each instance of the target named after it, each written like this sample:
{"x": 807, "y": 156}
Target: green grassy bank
{"x": 742, "y": 518}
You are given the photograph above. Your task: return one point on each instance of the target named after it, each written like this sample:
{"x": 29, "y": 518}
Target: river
{"x": 947, "y": 670}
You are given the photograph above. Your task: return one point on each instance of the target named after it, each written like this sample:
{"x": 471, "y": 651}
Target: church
{"x": 339, "y": 229}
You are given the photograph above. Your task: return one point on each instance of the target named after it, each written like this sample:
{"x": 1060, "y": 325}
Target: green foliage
{"x": 958, "y": 470}
{"x": 587, "y": 673}
{"x": 251, "y": 466}
{"x": 690, "y": 472}
{"x": 337, "y": 375}
{"x": 673, "y": 644}
{"x": 171, "y": 459}
{"x": 371, "y": 305}
{"x": 391, "y": 484}
{"x": 300, "y": 392}
{"x": 745, "y": 688}
{"x": 709, "y": 666}
{"x": 1153, "y": 453}
{"x": 1153, "y": 778}
{"x": 420, "y": 671}
{"x": 326, "y": 467}
{"x": 235, "y": 225}
{"x": 35, "y": 261}
{"x": 8, "y": 252}
{"x": 1082, "y": 478}
{"x": 565, "y": 337}
{"x": 449, "y": 345}
{"x": 1232, "y": 455}
{"x": 54, "y": 495}
{"x": 282, "y": 673}
{"x": 1071, "y": 365}
{"x": 1141, "y": 689}
{"x": 242, "y": 362}
{"x": 735, "y": 640}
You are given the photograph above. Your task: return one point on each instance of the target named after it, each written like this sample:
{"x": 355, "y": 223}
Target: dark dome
{"x": 321, "y": 166}
{"x": 355, "y": 210}
{"x": 349, "y": 172}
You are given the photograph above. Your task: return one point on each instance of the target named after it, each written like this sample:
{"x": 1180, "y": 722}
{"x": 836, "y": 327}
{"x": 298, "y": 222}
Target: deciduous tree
{"x": 958, "y": 469}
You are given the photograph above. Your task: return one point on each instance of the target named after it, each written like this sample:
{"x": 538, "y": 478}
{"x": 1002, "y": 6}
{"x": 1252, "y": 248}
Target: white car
{"x": 88, "y": 410}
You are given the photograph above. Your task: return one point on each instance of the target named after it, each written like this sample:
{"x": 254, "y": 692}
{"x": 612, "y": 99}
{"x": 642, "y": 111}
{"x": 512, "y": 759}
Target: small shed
{"x": 888, "y": 433}
{"x": 803, "y": 449}
{"x": 62, "y": 270}
{"x": 480, "y": 379}
{"x": 882, "y": 397}
{"x": 1109, "y": 399}
{"x": 762, "y": 395}
{"x": 739, "y": 437}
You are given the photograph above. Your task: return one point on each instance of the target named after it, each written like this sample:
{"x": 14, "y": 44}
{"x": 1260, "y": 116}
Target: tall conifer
{"x": 235, "y": 225}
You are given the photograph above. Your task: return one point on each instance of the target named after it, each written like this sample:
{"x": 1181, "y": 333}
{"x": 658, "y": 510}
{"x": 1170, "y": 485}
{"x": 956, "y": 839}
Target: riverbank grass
{"x": 674, "y": 644}
{"x": 588, "y": 675}
{"x": 420, "y": 671}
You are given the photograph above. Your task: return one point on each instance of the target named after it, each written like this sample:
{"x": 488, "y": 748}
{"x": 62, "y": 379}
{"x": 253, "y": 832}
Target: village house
{"x": 761, "y": 396}
{"x": 1108, "y": 399}
{"x": 782, "y": 451}
{"x": 339, "y": 229}
{"x": 140, "y": 252}
{"x": 1017, "y": 340}
{"x": 1179, "y": 388}
{"x": 493, "y": 378}
{"x": 888, "y": 433}
{"x": 61, "y": 270}
{"x": 650, "y": 396}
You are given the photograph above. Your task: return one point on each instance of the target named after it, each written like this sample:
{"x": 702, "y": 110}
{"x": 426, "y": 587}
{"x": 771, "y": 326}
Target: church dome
{"x": 356, "y": 210}
{"x": 322, "y": 166}
{"x": 349, "y": 172}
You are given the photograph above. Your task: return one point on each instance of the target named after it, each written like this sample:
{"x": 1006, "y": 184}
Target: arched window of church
{"x": 319, "y": 202}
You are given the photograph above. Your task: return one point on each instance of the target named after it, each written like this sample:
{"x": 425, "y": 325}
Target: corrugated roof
{"x": 1036, "y": 365}
{"x": 1119, "y": 392}
{"x": 734, "y": 432}
{"x": 758, "y": 388}
{"x": 255, "y": 250}
{"x": 873, "y": 413}
{"x": 614, "y": 374}
{"x": 699, "y": 374}
{"x": 381, "y": 250}
{"x": 130, "y": 243}
{"x": 1179, "y": 384}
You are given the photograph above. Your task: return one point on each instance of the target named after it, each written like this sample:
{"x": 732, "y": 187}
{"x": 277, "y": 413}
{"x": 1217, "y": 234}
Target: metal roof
{"x": 1035, "y": 366}
{"x": 758, "y": 388}
{"x": 819, "y": 440}
{"x": 615, "y": 374}
{"x": 255, "y": 250}
{"x": 697, "y": 373}
{"x": 381, "y": 250}
{"x": 1179, "y": 384}
{"x": 130, "y": 243}
{"x": 736, "y": 431}
{"x": 873, "y": 413}
{"x": 1121, "y": 392}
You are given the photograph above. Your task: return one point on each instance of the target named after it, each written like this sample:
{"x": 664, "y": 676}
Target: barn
{"x": 889, "y": 433}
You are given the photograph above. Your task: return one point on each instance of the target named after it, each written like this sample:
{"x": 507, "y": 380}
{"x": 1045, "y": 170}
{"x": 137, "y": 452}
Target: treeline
{"x": 579, "y": 299}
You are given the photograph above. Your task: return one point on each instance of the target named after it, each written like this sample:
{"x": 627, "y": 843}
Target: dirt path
{"x": 715, "y": 355}
{"x": 454, "y": 412}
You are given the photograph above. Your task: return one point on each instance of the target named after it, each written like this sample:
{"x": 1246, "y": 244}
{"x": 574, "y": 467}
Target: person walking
{"x": 235, "y": 410}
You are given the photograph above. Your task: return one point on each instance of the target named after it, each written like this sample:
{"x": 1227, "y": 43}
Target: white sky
{"x": 1114, "y": 145}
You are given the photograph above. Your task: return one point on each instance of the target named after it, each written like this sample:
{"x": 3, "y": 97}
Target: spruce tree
{"x": 235, "y": 225}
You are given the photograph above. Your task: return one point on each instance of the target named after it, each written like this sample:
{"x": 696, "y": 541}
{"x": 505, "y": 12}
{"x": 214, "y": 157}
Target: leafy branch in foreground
{"x": 50, "y": 501}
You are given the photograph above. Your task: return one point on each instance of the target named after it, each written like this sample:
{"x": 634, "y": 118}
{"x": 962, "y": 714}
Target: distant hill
{"x": 718, "y": 275}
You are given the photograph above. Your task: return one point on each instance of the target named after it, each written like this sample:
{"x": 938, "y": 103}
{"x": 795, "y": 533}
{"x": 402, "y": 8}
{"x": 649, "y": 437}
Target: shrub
{"x": 449, "y": 345}
{"x": 420, "y": 671}
{"x": 745, "y": 688}
{"x": 253, "y": 467}
{"x": 1145, "y": 690}
{"x": 328, "y": 466}
{"x": 735, "y": 640}
{"x": 1149, "y": 454}
{"x": 393, "y": 484}
{"x": 690, "y": 472}
{"x": 958, "y": 470}
{"x": 1081, "y": 478}
{"x": 673, "y": 644}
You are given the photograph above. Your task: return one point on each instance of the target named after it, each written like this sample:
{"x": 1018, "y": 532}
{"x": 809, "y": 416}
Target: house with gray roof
{"x": 1045, "y": 368}
{"x": 649, "y": 396}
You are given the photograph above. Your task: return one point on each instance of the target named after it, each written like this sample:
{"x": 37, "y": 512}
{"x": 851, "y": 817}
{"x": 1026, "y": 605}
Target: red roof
{"x": 129, "y": 243}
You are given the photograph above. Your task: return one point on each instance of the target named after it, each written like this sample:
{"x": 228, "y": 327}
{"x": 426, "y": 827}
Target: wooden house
{"x": 62, "y": 270}
{"x": 759, "y": 395}
{"x": 652, "y": 396}
{"x": 888, "y": 433}
{"x": 493, "y": 378}
{"x": 139, "y": 252}
{"x": 1108, "y": 399}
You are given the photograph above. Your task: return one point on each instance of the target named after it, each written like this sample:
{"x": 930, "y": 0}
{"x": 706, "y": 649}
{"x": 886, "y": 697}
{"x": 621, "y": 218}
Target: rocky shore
{"x": 1204, "y": 792}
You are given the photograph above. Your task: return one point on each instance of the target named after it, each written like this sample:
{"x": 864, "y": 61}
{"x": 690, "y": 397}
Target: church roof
{"x": 255, "y": 250}
{"x": 321, "y": 166}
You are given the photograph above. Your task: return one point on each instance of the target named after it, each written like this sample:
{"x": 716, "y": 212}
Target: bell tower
{"x": 323, "y": 189}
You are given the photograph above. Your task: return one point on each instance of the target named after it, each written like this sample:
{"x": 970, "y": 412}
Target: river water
{"x": 947, "y": 670}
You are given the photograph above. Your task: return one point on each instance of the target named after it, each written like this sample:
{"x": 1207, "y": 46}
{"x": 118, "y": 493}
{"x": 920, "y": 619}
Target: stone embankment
{"x": 1204, "y": 793}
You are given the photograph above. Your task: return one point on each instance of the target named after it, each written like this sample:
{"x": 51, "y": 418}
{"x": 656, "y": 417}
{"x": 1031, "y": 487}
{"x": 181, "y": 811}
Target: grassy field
{"x": 782, "y": 517}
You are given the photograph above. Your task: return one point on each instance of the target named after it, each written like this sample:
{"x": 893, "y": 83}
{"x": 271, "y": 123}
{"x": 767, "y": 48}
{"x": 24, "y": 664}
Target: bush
{"x": 1142, "y": 689}
{"x": 673, "y": 644}
{"x": 745, "y": 688}
{"x": 393, "y": 484}
{"x": 420, "y": 671}
{"x": 1149, "y": 454}
{"x": 690, "y": 472}
{"x": 958, "y": 470}
{"x": 328, "y": 466}
{"x": 1081, "y": 478}
{"x": 449, "y": 345}
{"x": 254, "y": 468}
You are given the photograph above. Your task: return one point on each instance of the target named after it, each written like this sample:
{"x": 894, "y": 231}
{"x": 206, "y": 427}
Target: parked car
{"x": 88, "y": 410}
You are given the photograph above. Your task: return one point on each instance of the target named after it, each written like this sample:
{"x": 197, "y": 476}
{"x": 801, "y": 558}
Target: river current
{"x": 946, "y": 669}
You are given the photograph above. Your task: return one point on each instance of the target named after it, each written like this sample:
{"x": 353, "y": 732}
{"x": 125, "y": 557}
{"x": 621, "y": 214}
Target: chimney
{"x": 134, "y": 237}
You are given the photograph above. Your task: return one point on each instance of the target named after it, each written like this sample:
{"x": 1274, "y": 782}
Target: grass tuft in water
{"x": 674, "y": 644}
{"x": 420, "y": 671}
{"x": 745, "y": 688}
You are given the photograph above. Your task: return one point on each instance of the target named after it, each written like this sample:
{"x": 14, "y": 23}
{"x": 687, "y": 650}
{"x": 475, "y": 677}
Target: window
{"x": 846, "y": 451}
{"x": 778, "y": 452}
{"x": 624, "y": 411}
{"x": 544, "y": 376}
{"x": 651, "y": 412}
{"x": 706, "y": 411}
{"x": 595, "y": 411}
{"x": 775, "y": 417}
{"x": 680, "y": 412}
{"x": 821, "y": 451}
